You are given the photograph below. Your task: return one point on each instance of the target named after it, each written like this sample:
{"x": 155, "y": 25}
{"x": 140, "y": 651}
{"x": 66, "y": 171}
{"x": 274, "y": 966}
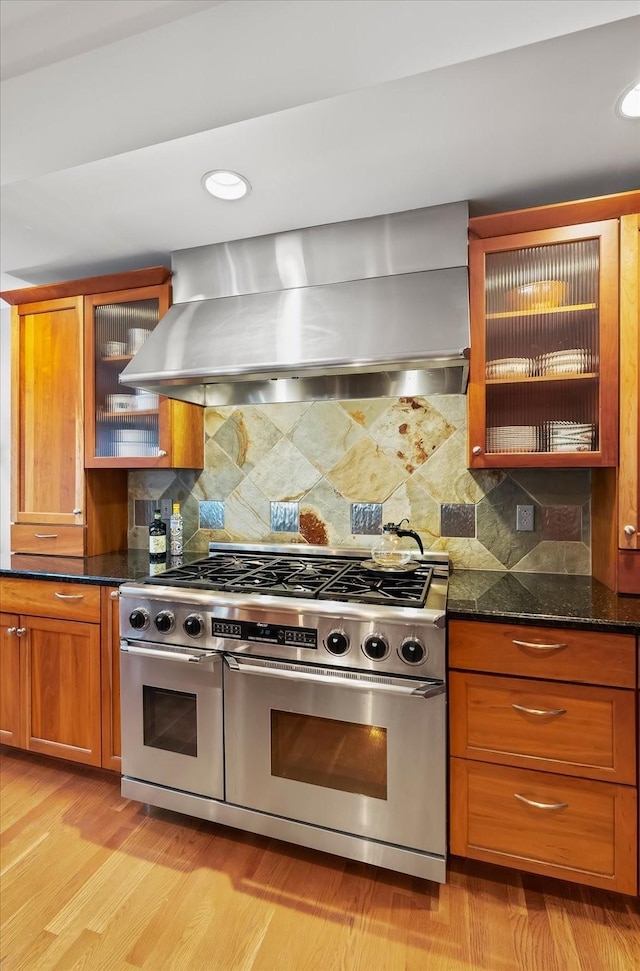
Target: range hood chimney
{"x": 372, "y": 307}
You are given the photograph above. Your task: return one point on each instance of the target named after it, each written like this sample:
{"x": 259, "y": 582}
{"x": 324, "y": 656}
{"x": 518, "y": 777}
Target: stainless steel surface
{"x": 428, "y": 866}
{"x": 150, "y": 669}
{"x": 305, "y": 683}
{"x": 365, "y": 308}
{"x": 401, "y": 242}
{"x": 413, "y": 814}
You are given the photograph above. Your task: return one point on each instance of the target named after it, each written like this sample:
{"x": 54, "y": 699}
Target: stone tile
{"x": 325, "y": 516}
{"x": 285, "y": 415}
{"x": 467, "y": 554}
{"x": 324, "y": 433}
{"x": 447, "y": 478}
{"x": 561, "y": 523}
{"x": 586, "y": 524}
{"x": 458, "y": 519}
{"x": 365, "y": 411}
{"x": 247, "y": 514}
{"x": 284, "y": 474}
{"x": 553, "y": 557}
{"x": 411, "y": 430}
{"x": 219, "y": 477}
{"x": 366, "y": 473}
{"x": 143, "y": 512}
{"x": 554, "y": 487}
{"x": 452, "y": 407}
{"x": 247, "y": 436}
{"x": 496, "y": 521}
{"x": 412, "y": 501}
{"x": 214, "y": 419}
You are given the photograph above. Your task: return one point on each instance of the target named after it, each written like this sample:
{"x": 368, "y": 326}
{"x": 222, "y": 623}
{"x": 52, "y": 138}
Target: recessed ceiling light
{"x": 629, "y": 102}
{"x": 225, "y": 185}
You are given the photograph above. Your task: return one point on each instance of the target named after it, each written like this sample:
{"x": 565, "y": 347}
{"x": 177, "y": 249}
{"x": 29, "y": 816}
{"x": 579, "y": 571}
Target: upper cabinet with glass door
{"x": 544, "y": 348}
{"x": 126, "y": 427}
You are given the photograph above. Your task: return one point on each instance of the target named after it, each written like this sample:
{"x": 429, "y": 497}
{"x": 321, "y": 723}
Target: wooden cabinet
{"x": 110, "y": 625}
{"x": 72, "y": 438}
{"x": 127, "y": 428}
{"x": 51, "y": 666}
{"x": 544, "y": 351}
{"x": 543, "y": 750}
{"x": 616, "y": 494}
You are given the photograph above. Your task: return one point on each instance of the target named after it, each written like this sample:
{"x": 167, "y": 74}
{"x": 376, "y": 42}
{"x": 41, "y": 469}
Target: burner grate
{"x": 308, "y": 577}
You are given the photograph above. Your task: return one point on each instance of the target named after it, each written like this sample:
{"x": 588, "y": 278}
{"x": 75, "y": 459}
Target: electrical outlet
{"x": 524, "y": 518}
{"x": 165, "y": 506}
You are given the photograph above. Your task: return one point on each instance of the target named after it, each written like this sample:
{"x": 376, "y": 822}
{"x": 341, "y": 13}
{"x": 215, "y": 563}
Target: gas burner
{"x": 310, "y": 576}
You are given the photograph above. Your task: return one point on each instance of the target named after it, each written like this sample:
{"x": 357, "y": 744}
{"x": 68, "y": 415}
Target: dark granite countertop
{"x": 526, "y": 598}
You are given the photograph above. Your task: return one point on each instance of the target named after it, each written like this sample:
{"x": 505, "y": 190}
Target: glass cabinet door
{"x": 544, "y": 348}
{"x": 123, "y": 423}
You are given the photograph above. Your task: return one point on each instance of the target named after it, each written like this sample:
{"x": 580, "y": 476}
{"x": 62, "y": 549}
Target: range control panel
{"x": 368, "y": 641}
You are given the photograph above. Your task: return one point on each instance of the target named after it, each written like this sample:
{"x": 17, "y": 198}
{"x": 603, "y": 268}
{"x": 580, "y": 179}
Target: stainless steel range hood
{"x": 368, "y": 308}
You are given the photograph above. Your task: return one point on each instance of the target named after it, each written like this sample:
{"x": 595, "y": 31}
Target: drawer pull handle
{"x": 68, "y": 596}
{"x": 538, "y": 647}
{"x": 541, "y": 805}
{"x": 46, "y": 535}
{"x": 543, "y": 712}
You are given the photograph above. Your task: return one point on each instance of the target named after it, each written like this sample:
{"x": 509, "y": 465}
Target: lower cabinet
{"x": 543, "y": 772}
{"x": 50, "y": 700}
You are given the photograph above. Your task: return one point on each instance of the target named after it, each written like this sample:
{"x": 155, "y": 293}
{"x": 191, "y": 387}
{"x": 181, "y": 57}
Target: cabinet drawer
{"x": 575, "y": 829}
{"x": 47, "y": 538}
{"x": 573, "y": 729}
{"x": 589, "y": 657}
{"x": 52, "y": 598}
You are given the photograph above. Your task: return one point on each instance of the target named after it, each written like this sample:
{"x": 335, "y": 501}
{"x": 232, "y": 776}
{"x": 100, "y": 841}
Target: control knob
{"x": 139, "y": 619}
{"x": 165, "y": 622}
{"x": 413, "y": 651}
{"x": 375, "y": 646}
{"x": 337, "y": 642}
{"x": 194, "y": 625}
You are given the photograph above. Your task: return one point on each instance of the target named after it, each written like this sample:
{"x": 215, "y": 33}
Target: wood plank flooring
{"x": 94, "y": 881}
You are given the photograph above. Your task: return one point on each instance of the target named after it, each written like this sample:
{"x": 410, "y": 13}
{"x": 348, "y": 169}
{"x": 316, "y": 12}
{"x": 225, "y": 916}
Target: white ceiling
{"x": 333, "y": 109}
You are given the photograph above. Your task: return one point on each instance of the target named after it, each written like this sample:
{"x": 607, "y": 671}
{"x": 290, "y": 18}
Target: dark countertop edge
{"x": 96, "y": 581}
{"x": 545, "y": 620}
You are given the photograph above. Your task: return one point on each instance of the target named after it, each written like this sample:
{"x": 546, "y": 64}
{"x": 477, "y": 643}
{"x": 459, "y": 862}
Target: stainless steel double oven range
{"x": 297, "y": 692}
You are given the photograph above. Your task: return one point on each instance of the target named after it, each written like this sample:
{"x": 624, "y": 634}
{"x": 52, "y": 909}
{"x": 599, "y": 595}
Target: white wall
{"x": 5, "y": 427}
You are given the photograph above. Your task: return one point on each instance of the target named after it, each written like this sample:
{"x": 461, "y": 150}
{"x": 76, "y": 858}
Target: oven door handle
{"x": 336, "y": 679}
{"x": 167, "y": 655}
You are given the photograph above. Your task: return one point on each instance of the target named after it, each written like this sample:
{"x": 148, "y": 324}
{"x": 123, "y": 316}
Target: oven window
{"x": 329, "y": 753}
{"x": 170, "y": 720}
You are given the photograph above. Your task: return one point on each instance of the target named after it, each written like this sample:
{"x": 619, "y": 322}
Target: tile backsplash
{"x": 330, "y": 473}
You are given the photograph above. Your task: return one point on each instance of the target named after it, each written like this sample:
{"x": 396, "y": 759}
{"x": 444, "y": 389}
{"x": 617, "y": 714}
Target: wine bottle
{"x": 175, "y": 531}
{"x": 157, "y": 539}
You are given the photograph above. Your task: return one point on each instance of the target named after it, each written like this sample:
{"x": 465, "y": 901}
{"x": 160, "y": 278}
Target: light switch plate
{"x": 165, "y": 506}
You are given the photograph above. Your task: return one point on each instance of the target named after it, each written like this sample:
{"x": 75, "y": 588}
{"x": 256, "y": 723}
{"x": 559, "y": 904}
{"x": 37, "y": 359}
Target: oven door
{"x": 172, "y": 728}
{"x": 358, "y": 753}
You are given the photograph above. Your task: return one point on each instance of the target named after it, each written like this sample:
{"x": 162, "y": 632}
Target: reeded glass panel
{"x": 330, "y": 753}
{"x": 542, "y": 349}
{"x": 126, "y": 419}
{"x": 170, "y": 720}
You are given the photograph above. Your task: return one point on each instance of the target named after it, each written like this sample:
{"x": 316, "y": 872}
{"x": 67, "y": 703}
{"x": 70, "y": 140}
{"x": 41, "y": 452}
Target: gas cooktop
{"x": 301, "y": 574}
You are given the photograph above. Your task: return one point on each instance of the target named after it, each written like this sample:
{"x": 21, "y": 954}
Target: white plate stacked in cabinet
{"x": 543, "y": 746}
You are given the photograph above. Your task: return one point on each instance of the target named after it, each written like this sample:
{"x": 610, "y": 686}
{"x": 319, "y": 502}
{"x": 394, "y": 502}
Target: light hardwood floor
{"x": 94, "y": 881}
